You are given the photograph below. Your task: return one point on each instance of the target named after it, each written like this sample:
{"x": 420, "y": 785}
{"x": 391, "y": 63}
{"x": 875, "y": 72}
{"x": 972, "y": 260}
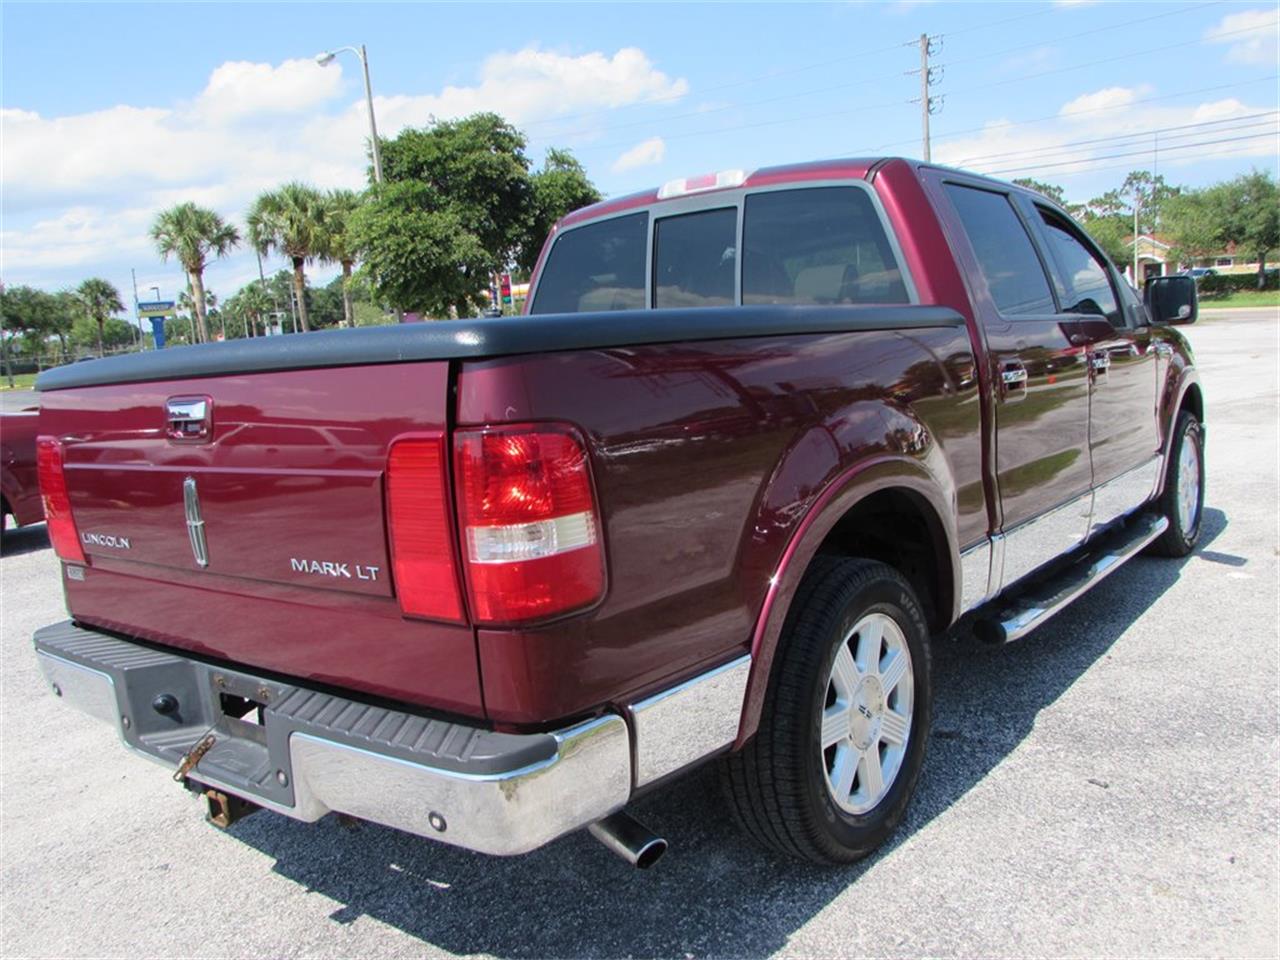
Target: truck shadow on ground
{"x": 715, "y": 892}
{"x": 28, "y": 539}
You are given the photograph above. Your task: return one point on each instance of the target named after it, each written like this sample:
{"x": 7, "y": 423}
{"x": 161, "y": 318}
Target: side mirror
{"x": 1172, "y": 299}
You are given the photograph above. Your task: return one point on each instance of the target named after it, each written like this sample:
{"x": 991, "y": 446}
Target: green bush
{"x": 1227, "y": 283}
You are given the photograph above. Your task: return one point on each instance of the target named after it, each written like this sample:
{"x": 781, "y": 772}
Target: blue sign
{"x": 156, "y": 308}
{"x": 157, "y": 331}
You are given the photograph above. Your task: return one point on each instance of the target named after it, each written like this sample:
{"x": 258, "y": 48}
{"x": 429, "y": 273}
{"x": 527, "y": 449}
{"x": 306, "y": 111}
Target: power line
{"x": 1112, "y": 156}
{"x": 827, "y": 114}
{"x": 853, "y": 83}
{"x": 760, "y": 78}
{"x": 720, "y": 109}
{"x": 1086, "y": 168}
{"x": 1078, "y": 113}
{"x": 1127, "y": 55}
{"x": 1083, "y": 33}
{"x": 1058, "y": 147}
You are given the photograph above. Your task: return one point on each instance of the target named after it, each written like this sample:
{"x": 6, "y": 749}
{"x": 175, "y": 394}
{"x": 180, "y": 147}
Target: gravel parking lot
{"x": 1107, "y": 786}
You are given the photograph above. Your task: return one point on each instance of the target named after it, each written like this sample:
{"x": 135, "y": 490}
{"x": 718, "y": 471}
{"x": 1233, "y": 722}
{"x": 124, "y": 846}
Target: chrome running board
{"x": 1024, "y": 611}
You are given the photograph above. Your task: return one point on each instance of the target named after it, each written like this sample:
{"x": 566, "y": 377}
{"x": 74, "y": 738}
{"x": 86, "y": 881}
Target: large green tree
{"x": 1050, "y": 190}
{"x": 560, "y": 186}
{"x": 193, "y": 235}
{"x": 99, "y": 299}
{"x": 38, "y": 315}
{"x": 252, "y": 306}
{"x": 459, "y": 204}
{"x": 1249, "y": 207}
{"x": 291, "y": 220}
{"x": 1242, "y": 213}
{"x": 339, "y": 246}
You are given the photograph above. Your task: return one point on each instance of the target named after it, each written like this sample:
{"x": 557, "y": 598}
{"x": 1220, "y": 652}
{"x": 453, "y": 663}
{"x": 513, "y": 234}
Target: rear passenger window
{"x": 599, "y": 266}
{"x": 695, "y": 259}
{"x": 1006, "y": 257}
{"x": 817, "y": 245}
{"x": 1081, "y": 278}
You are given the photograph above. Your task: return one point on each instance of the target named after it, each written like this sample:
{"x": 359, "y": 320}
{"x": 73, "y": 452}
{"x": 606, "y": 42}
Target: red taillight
{"x": 421, "y": 539}
{"x": 57, "y": 503}
{"x": 530, "y": 528}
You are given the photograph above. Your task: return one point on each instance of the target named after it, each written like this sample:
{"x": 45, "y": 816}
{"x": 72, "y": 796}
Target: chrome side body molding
{"x": 994, "y": 564}
{"x": 692, "y": 720}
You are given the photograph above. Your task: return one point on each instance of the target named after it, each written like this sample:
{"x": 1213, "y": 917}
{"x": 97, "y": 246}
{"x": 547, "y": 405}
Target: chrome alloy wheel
{"x": 1188, "y": 484}
{"x": 867, "y": 718}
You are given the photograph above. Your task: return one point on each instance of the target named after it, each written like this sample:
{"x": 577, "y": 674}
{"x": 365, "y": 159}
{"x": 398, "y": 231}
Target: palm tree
{"x": 192, "y": 234}
{"x": 99, "y": 300}
{"x": 291, "y": 220}
{"x": 338, "y": 246}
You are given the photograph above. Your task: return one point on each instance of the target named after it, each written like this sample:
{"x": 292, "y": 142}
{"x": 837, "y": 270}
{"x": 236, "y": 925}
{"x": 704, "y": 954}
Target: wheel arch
{"x": 853, "y": 514}
{"x": 1186, "y": 395}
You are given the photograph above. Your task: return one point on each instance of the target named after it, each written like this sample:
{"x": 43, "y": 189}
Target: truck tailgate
{"x": 281, "y": 476}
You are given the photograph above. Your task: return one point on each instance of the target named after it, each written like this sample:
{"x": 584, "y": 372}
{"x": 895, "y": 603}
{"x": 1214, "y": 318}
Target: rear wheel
{"x": 846, "y": 717}
{"x": 1182, "y": 501}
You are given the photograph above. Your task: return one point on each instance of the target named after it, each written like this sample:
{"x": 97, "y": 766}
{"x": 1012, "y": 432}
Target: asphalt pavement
{"x": 1107, "y": 786}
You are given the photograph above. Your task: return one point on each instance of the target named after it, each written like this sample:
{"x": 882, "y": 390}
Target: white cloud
{"x": 643, "y": 154}
{"x": 81, "y": 190}
{"x": 1108, "y": 98}
{"x": 1258, "y": 45}
{"x": 239, "y": 89}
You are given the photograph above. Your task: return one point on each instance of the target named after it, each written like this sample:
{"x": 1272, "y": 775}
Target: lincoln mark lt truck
{"x": 758, "y": 440}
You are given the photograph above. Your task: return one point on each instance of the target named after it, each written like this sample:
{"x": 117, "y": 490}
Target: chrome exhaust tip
{"x": 629, "y": 839}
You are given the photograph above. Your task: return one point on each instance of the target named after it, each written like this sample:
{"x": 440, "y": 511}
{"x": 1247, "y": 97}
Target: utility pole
{"x": 137, "y": 320}
{"x": 4, "y": 345}
{"x": 1136, "y": 204}
{"x": 928, "y": 77}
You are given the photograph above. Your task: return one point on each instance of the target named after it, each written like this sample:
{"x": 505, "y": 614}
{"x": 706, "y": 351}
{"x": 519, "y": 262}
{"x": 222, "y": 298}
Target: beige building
{"x": 1155, "y": 260}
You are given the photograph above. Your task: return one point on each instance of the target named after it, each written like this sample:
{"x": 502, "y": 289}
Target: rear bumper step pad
{"x": 305, "y": 753}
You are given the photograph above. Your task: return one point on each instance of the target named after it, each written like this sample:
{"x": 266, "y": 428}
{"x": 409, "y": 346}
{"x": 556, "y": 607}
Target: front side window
{"x": 599, "y": 266}
{"x": 695, "y": 258}
{"x": 817, "y": 245}
{"x": 1081, "y": 278}
{"x": 1005, "y": 255}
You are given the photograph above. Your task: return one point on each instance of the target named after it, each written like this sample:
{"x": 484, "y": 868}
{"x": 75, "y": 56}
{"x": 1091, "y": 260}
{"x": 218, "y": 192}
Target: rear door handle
{"x": 1013, "y": 375}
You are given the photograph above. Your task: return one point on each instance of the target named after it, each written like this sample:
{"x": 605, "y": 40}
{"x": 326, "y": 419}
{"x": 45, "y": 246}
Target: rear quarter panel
{"x": 706, "y": 459}
{"x": 18, "y": 479}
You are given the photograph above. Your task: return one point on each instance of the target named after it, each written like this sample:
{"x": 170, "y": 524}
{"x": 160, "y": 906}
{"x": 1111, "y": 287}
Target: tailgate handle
{"x": 188, "y": 418}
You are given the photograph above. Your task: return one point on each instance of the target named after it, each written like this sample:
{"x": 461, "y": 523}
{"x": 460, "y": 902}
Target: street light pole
{"x": 324, "y": 59}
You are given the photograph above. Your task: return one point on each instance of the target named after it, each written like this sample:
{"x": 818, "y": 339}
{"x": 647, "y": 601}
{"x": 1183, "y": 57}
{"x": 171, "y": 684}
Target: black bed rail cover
{"x": 478, "y": 339}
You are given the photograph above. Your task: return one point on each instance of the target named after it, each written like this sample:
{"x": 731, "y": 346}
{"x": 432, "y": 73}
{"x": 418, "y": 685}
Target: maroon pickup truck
{"x": 759, "y": 439}
{"x": 19, "y": 487}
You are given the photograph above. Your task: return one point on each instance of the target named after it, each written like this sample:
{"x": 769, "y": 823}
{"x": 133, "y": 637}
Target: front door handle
{"x": 1013, "y": 377}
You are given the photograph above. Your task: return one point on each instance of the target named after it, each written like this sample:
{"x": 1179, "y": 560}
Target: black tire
{"x": 1181, "y": 538}
{"x": 777, "y": 784}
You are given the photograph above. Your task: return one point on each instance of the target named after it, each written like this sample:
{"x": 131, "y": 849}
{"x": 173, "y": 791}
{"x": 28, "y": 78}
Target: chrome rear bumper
{"x": 314, "y": 753}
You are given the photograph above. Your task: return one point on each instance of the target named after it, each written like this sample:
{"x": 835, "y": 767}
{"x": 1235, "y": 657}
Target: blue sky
{"x": 111, "y": 112}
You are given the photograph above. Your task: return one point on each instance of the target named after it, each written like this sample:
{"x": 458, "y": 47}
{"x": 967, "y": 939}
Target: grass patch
{"x": 1242, "y": 298}
{"x": 21, "y": 381}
